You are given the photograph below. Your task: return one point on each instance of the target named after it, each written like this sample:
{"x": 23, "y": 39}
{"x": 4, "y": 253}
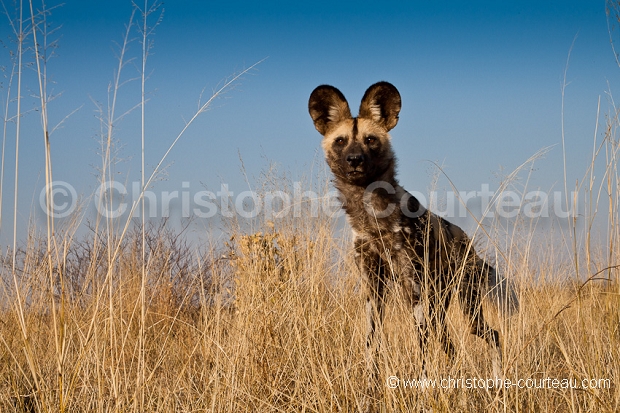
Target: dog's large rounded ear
{"x": 327, "y": 107}
{"x": 381, "y": 103}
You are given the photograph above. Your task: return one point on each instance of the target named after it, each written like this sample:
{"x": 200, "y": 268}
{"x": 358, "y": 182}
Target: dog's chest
{"x": 382, "y": 228}
{"x": 395, "y": 240}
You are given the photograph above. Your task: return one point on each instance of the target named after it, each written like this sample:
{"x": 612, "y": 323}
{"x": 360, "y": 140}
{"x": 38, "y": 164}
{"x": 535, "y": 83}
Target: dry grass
{"x": 274, "y": 322}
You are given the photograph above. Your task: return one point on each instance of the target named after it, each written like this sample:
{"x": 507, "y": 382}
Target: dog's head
{"x": 357, "y": 150}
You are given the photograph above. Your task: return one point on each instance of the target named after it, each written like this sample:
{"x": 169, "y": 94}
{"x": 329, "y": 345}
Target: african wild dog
{"x": 396, "y": 238}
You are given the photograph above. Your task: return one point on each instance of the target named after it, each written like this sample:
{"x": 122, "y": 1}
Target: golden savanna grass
{"x": 132, "y": 318}
{"x": 273, "y": 321}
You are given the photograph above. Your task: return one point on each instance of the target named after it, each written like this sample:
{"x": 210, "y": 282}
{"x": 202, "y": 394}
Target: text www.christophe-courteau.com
{"x": 470, "y": 383}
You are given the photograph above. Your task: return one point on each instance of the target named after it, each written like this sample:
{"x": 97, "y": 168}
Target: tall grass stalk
{"x": 18, "y": 304}
{"x": 572, "y": 223}
{"x": 146, "y": 46}
{"x": 39, "y": 24}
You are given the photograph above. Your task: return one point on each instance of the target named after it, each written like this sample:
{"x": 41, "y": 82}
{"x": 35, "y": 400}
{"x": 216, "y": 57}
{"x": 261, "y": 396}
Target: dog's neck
{"x": 380, "y": 193}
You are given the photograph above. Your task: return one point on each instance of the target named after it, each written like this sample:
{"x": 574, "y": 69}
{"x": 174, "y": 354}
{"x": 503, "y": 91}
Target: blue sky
{"x": 481, "y": 85}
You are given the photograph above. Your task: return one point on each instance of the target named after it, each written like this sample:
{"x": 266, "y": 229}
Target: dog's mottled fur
{"x": 395, "y": 237}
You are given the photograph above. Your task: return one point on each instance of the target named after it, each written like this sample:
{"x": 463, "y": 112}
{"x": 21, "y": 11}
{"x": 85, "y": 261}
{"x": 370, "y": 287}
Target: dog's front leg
{"x": 374, "y": 317}
{"x": 374, "y": 274}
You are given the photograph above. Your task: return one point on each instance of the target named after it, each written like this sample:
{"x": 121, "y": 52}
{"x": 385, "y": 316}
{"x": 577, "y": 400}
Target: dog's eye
{"x": 371, "y": 140}
{"x": 340, "y": 141}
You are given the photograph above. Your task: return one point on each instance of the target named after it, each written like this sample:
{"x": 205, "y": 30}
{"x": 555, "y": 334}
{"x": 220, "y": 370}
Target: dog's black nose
{"x": 355, "y": 159}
